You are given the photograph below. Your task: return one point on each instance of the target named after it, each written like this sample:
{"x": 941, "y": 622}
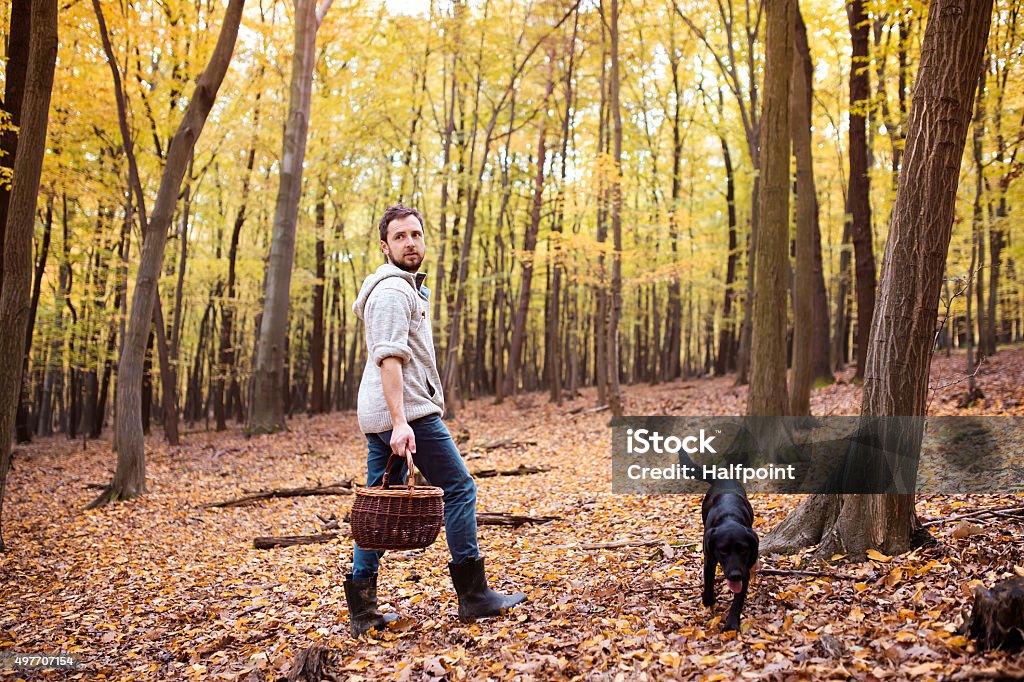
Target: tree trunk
{"x": 316, "y": 346}
{"x": 20, "y": 225}
{"x": 912, "y": 270}
{"x": 14, "y": 88}
{"x": 23, "y": 422}
{"x": 267, "y": 407}
{"x": 840, "y": 347}
{"x": 806, "y": 223}
{"x": 726, "y": 359}
{"x": 615, "y": 298}
{"x": 768, "y": 394}
{"x": 858, "y": 200}
{"x": 52, "y": 381}
{"x": 130, "y": 476}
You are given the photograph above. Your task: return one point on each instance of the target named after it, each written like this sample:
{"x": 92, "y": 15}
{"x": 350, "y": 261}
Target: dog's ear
{"x": 709, "y": 540}
{"x": 755, "y": 545}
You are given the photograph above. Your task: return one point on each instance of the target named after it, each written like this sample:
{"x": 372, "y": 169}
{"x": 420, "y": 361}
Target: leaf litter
{"x": 161, "y": 588}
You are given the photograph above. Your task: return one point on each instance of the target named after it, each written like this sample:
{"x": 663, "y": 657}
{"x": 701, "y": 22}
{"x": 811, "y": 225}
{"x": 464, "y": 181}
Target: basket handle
{"x": 411, "y": 483}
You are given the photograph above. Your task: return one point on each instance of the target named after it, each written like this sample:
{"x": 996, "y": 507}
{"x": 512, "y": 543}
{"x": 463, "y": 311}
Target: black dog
{"x": 729, "y": 542}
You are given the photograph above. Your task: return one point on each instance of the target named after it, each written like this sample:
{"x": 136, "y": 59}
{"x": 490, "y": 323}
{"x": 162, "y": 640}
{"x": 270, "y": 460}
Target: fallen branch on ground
{"x": 980, "y": 511}
{"x": 505, "y": 442}
{"x": 342, "y": 488}
{"x": 521, "y": 470}
{"x": 269, "y": 542}
{"x": 514, "y": 520}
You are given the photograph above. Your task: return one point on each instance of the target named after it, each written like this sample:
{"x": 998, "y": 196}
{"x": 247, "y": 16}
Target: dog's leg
{"x": 732, "y": 622}
{"x": 708, "y": 597}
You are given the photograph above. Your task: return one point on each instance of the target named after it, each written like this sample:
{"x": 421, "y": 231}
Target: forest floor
{"x": 160, "y": 588}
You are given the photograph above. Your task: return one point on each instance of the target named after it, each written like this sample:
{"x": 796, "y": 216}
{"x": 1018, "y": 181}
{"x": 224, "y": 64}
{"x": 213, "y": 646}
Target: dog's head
{"x": 735, "y": 549}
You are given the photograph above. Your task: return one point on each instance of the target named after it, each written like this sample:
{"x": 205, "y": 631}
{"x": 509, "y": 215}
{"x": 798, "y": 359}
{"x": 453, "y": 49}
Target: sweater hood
{"x": 385, "y": 271}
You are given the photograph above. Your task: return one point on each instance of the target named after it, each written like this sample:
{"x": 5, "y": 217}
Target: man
{"x": 400, "y": 406}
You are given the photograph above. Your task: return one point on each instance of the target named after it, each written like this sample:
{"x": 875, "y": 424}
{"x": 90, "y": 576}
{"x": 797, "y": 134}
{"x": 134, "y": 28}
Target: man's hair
{"x": 396, "y": 212}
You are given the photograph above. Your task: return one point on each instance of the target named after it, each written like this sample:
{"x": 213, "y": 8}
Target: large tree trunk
{"x": 20, "y": 226}
{"x": 858, "y": 200}
{"x": 768, "y": 395}
{"x": 267, "y": 408}
{"x": 615, "y": 299}
{"x": 14, "y": 89}
{"x": 903, "y": 330}
{"x": 130, "y": 476}
{"x": 806, "y": 222}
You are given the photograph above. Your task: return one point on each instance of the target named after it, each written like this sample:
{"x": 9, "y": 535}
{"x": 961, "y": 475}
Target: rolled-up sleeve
{"x": 387, "y": 325}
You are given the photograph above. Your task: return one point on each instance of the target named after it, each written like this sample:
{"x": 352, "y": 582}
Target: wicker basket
{"x": 386, "y": 518}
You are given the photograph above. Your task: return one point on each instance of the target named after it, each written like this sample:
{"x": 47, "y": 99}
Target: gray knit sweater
{"x": 395, "y": 306}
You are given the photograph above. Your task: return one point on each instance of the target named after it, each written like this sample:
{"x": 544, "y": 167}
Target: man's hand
{"x": 403, "y": 440}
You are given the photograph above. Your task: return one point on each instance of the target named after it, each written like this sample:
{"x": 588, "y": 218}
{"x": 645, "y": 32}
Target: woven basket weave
{"x": 385, "y": 518}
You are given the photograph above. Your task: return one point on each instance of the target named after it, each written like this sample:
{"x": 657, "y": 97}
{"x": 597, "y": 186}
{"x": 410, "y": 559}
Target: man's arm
{"x": 402, "y": 437}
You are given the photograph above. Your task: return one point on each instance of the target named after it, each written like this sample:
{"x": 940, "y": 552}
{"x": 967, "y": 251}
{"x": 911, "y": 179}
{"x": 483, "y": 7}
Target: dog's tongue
{"x": 735, "y": 586}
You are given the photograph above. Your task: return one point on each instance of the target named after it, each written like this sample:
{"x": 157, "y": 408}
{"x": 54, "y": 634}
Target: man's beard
{"x": 404, "y": 264}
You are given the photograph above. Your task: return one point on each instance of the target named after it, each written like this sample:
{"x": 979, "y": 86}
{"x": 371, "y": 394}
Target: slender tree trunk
{"x": 130, "y": 476}
{"x": 673, "y": 322}
{"x": 806, "y": 222}
{"x": 23, "y": 422}
{"x": 135, "y": 185}
{"x": 20, "y": 224}
{"x": 267, "y": 408}
{"x": 768, "y": 395}
{"x": 840, "y": 347}
{"x": 316, "y": 346}
{"x": 726, "y": 359}
{"x": 859, "y": 203}
{"x": 912, "y": 270}
{"x": 615, "y": 307}
{"x": 52, "y": 383}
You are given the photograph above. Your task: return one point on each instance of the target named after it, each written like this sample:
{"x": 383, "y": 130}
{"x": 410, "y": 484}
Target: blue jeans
{"x": 439, "y": 461}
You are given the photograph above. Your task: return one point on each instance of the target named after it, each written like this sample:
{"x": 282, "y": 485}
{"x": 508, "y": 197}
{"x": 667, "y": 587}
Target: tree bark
{"x": 899, "y": 359}
{"x": 615, "y": 298}
{"x": 23, "y": 422}
{"x": 14, "y": 88}
{"x": 267, "y": 407}
{"x": 858, "y": 200}
{"x": 806, "y": 223}
{"x": 316, "y": 346}
{"x": 726, "y": 360}
{"x": 768, "y": 395}
{"x": 130, "y": 476}
{"x": 20, "y": 226}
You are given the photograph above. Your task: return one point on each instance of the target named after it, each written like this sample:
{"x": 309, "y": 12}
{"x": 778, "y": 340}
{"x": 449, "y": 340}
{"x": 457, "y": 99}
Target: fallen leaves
{"x": 159, "y": 588}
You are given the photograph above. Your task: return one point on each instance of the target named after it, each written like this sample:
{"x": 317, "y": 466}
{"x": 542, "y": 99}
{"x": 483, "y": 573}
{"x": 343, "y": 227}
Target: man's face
{"x": 405, "y": 247}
